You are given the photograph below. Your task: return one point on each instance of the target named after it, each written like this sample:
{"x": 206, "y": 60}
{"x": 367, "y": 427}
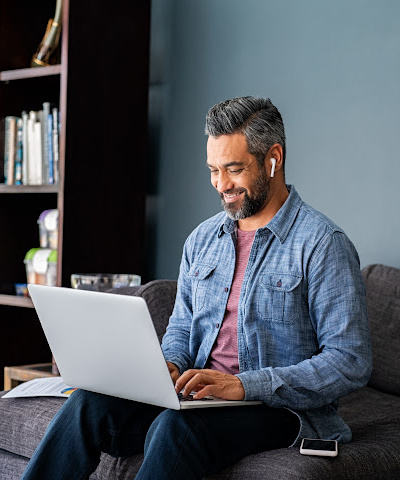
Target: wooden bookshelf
{"x": 101, "y": 89}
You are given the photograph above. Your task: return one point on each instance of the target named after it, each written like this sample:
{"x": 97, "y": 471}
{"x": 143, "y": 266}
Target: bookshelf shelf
{"x": 22, "y": 73}
{"x": 14, "y": 301}
{"x": 29, "y": 188}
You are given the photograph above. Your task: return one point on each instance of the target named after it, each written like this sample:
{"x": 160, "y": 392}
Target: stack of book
{"x": 31, "y": 149}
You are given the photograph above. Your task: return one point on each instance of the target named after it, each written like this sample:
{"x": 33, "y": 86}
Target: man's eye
{"x": 237, "y": 171}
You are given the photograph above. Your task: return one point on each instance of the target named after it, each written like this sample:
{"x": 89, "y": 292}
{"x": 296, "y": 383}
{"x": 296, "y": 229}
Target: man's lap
{"x": 128, "y": 422}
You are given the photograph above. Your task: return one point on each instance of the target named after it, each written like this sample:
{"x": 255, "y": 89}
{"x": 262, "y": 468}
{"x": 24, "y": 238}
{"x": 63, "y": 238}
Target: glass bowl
{"x": 101, "y": 282}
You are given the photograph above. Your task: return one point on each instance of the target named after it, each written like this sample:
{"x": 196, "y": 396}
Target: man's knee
{"x": 168, "y": 420}
{"x": 168, "y": 426}
{"x": 84, "y": 405}
{"x": 82, "y": 399}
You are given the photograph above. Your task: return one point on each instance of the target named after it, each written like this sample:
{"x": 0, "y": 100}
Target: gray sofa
{"x": 373, "y": 412}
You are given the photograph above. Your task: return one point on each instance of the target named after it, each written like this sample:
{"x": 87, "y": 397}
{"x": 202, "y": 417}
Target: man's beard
{"x": 250, "y": 205}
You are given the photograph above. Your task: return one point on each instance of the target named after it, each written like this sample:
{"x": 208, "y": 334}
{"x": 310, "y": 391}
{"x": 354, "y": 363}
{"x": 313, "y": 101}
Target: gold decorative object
{"x": 48, "y": 52}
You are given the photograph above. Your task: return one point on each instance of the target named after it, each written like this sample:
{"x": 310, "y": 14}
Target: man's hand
{"x": 210, "y": 382}
{"x": 174, "y": 371}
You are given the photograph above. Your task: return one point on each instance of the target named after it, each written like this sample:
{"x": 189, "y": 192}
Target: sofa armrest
{"x": 383, "y": 300}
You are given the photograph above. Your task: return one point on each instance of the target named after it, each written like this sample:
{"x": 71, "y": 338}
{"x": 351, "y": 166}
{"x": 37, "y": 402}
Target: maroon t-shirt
{"x": 224, "y": 354}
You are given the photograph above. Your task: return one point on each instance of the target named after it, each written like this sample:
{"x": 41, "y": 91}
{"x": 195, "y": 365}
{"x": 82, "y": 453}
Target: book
{"x": 18, "y": 156}
{"x": 6, "y": 147}
{"x": 12, "y": 144}
{"x": 31, "y": 150}
{"x": 55, "y": 144}
{"x": 50, "y": 152}
{"x": 44, "y": 118}
{"x": 25, "y": 159}
{"x": 37, "y": 146}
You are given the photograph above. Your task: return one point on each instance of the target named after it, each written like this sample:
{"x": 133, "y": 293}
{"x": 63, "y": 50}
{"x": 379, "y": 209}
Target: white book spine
{"x": 31, "y": 149}
{"x": 37, "y": 140}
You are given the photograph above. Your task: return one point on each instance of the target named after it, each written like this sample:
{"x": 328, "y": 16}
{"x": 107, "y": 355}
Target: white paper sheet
{"x": 41, "y": 387}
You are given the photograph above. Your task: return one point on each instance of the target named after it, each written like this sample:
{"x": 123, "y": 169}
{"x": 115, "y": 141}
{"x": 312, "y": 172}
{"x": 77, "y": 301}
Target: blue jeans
{"x": 185, "y": 444}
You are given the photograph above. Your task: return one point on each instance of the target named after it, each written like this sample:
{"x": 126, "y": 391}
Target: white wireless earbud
{"x": 273, "y": 161}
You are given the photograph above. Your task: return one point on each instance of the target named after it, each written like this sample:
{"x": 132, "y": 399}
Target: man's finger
{"x": 184, "y": 378}
{"x": 195, "y": 381}
{"x": 205, "y": 392}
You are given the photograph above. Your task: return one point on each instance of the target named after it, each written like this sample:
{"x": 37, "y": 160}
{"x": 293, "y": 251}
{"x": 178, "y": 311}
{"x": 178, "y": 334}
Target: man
{"x": 270, "y": 306}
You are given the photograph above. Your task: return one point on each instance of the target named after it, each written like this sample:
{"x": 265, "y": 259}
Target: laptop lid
{"x": 105, "y": 343}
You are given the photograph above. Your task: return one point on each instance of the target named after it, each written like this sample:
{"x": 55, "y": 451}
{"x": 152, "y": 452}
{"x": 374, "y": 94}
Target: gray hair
{"x": 256, "y": 118}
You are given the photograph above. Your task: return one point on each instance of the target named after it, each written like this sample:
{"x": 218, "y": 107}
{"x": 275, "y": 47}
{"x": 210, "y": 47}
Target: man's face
{"x": 242, "y": 185}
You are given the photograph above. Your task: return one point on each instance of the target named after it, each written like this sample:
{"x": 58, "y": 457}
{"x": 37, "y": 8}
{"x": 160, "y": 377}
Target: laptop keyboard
{"x": 189, "y": 398}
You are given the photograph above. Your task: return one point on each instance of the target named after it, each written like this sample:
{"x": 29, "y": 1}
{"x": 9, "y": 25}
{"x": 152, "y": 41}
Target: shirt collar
{"x": 282, "y": 222}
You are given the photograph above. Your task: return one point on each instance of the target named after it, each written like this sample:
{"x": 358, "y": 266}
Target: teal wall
{"x": 332, "y": 69}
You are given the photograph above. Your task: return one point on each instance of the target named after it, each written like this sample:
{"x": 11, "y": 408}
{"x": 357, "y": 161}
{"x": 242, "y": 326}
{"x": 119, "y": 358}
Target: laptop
{"x": 106, "y": 343}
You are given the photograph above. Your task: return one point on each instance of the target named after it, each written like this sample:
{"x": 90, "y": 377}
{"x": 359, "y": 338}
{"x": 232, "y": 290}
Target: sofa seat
{"x": 373, "y": 454}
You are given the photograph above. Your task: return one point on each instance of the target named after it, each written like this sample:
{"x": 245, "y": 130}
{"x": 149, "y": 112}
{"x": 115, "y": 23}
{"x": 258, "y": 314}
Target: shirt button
{"x": 279, "y": 284}
{"x": 196, "y": 273}
{"x": 217, "y": 325}
{"x": 226, "y": 289}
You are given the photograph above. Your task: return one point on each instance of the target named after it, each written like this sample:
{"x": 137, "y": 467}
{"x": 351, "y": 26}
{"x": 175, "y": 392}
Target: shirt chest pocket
{"x": 203, "y": 285}
{"x": 280, "y": 297}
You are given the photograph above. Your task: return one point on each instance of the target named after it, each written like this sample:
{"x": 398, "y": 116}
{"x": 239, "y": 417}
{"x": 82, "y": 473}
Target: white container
{"x": 48, "y": 229}
{"x": 41, "y": 266}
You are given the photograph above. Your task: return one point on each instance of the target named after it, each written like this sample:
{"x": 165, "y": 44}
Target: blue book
{"x": 50, "y": 152}
{"x": 18, "y": 157}
{"x": 55, "y": 144}
{"x": 45, "y": 143}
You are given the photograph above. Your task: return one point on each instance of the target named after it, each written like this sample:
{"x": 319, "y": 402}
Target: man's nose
{"x": 224, "y": 182}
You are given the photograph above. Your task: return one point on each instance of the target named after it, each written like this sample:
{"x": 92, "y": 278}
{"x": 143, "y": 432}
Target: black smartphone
{"x": 323, "y": 448}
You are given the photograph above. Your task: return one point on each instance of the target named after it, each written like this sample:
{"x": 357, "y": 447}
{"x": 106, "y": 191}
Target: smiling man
{"x": 270, "y": 306}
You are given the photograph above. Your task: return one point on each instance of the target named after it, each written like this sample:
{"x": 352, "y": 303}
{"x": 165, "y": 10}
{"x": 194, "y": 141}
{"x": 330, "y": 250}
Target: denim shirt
{"x": 303, "y": 336}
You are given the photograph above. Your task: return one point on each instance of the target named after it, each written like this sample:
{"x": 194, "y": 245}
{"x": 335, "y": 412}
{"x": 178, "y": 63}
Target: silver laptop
{"x": 107, "y": 343}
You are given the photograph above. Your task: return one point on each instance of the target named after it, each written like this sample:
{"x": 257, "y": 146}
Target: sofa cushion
{"x": 11, "y": 466}
{"x": 374, "y": 418}
{"x": 383, "y": 297}
{"x": 160, "y": 299}
{"x": 24, "y": 421}
{"x": 22, "y": 426}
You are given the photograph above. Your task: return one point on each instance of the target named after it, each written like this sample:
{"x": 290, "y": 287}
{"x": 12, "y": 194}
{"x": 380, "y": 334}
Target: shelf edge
{"x": 15, "y": 301}
{"x": 21, "y": 73}
{"x": 29, "y": 188}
